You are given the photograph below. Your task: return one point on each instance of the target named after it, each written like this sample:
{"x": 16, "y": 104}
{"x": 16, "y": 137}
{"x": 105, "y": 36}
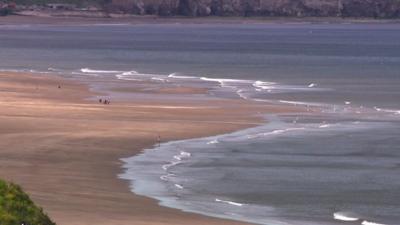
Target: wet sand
{"x": 63, "y": 147}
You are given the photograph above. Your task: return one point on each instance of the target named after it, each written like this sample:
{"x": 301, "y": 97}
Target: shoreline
{"x": 137, "y": 20}
{"x": 167, "y": 200}
{"x": 73, "y": 146}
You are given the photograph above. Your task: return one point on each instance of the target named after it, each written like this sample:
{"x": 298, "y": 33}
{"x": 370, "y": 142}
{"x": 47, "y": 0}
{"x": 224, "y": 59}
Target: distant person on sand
{"x": 159, "y": 140}
{"x": 100, "y": 100}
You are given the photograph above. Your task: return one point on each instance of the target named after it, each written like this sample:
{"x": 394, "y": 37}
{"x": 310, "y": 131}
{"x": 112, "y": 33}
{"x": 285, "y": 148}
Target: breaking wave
{"x": 176, "y": 76}
{"x": 342, "y": 216}
{"x": 351, "y": 217}
{"x": 229, "y": 202}
{"x": 371, "y": 223}
{"x": 87, "y": 70}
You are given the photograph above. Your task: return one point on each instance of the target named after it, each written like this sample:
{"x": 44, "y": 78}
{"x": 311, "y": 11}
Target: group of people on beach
{"x": 104, "y": 101}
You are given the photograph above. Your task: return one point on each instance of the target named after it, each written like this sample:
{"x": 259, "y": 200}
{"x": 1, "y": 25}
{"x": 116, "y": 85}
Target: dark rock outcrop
{"x": 293, "y": 8}
{"x": 371, "y": 8}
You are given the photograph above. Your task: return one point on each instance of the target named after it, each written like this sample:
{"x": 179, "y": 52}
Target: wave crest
{"x": 229, "y": 202}
{"x": 342, "y": 216}
{"x": 87, "y": 70}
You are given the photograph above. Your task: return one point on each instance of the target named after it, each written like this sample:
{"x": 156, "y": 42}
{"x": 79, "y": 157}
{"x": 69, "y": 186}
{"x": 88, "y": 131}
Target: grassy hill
{"x": 16, "y": 207}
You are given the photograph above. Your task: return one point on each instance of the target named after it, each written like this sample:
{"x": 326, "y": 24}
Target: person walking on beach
{"x": 159, "y": 140}
{"x": 105, "y": 101}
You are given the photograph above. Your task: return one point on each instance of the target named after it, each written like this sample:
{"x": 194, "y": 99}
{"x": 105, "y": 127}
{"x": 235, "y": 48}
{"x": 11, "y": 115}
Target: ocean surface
{"x": 339, "y": 166}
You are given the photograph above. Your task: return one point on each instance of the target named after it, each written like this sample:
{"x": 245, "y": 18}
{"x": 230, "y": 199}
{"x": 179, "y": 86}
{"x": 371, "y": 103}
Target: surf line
{"x": 340, "y": 216}
{"x": 229, "y": 202}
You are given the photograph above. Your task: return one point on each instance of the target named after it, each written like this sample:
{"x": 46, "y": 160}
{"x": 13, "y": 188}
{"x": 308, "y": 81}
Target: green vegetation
{"x": 17, "y": 208}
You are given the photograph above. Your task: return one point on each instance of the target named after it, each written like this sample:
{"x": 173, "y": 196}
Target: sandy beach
{"x": 64, "y": 147}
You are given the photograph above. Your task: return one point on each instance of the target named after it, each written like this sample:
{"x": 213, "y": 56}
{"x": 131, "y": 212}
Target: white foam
{"x": 371, "y": 223}
{"x": 262, "y": 100}
{"x": 36, "y": 71}
{"x": 347, "y": 103}
{"x": 128, "y": 75}
{"x": 158, "y": 79}
{"x": 129, "y": 78}
{"x": 136, "y": 76}
{"x": 182, "y": 155}
{"x": 53, "y": 69}
{"x": 213, "y": 142}
{"x": 179, "y": 186}
{"x": 312, "y": 85}
{"x": 240, "y": 93}
{"x": 300, "y": 103}
{"x": 120, "y": 77}
{"x": 167, "y": 166}
{"x": 85, "y": 74}
{"x": 173, "y": 75}
{"x": 340, "y": 216}
{"x": 325, "y": 125}
{"x": 274, "y": 132}
{"x": 293, "y": 102}
{"x": 223, "y": 82}
{"x": 24, "y": 71}
{"x": 166, "y": 177}
{"x": 395, "y": 111}
{"x": 87, "y": 70}
{"x": 229, "y": 202}
{"x": 262, "y": 85}
{"x": 219, "y": 80}
{"x": 13, "y": 71}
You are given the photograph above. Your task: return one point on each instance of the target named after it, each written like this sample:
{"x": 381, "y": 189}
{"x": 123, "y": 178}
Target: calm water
{"x": 341, "y": 165}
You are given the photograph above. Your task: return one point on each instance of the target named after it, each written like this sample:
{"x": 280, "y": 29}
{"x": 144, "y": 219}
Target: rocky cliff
{"x": 296, "y": 8}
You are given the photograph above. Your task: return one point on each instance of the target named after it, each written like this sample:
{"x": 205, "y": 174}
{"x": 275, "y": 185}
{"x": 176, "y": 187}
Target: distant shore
{"x": 64, "y": 147}
{"x": 132, "y": 19}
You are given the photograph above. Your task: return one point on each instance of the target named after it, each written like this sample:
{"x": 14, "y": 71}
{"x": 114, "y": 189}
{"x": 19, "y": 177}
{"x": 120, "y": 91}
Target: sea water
{"x": 338, "y": 166}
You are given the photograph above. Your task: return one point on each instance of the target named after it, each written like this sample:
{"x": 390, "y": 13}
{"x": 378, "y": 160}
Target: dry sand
{"x": 64, "y": 148}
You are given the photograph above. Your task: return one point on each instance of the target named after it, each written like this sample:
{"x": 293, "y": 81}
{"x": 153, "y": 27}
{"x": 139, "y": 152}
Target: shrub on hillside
{"x": 17, "y": 208}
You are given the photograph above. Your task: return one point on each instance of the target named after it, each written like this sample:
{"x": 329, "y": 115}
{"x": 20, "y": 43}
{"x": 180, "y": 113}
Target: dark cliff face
{"x": 294, "y": 8}
{"x": 372, "y": 8}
